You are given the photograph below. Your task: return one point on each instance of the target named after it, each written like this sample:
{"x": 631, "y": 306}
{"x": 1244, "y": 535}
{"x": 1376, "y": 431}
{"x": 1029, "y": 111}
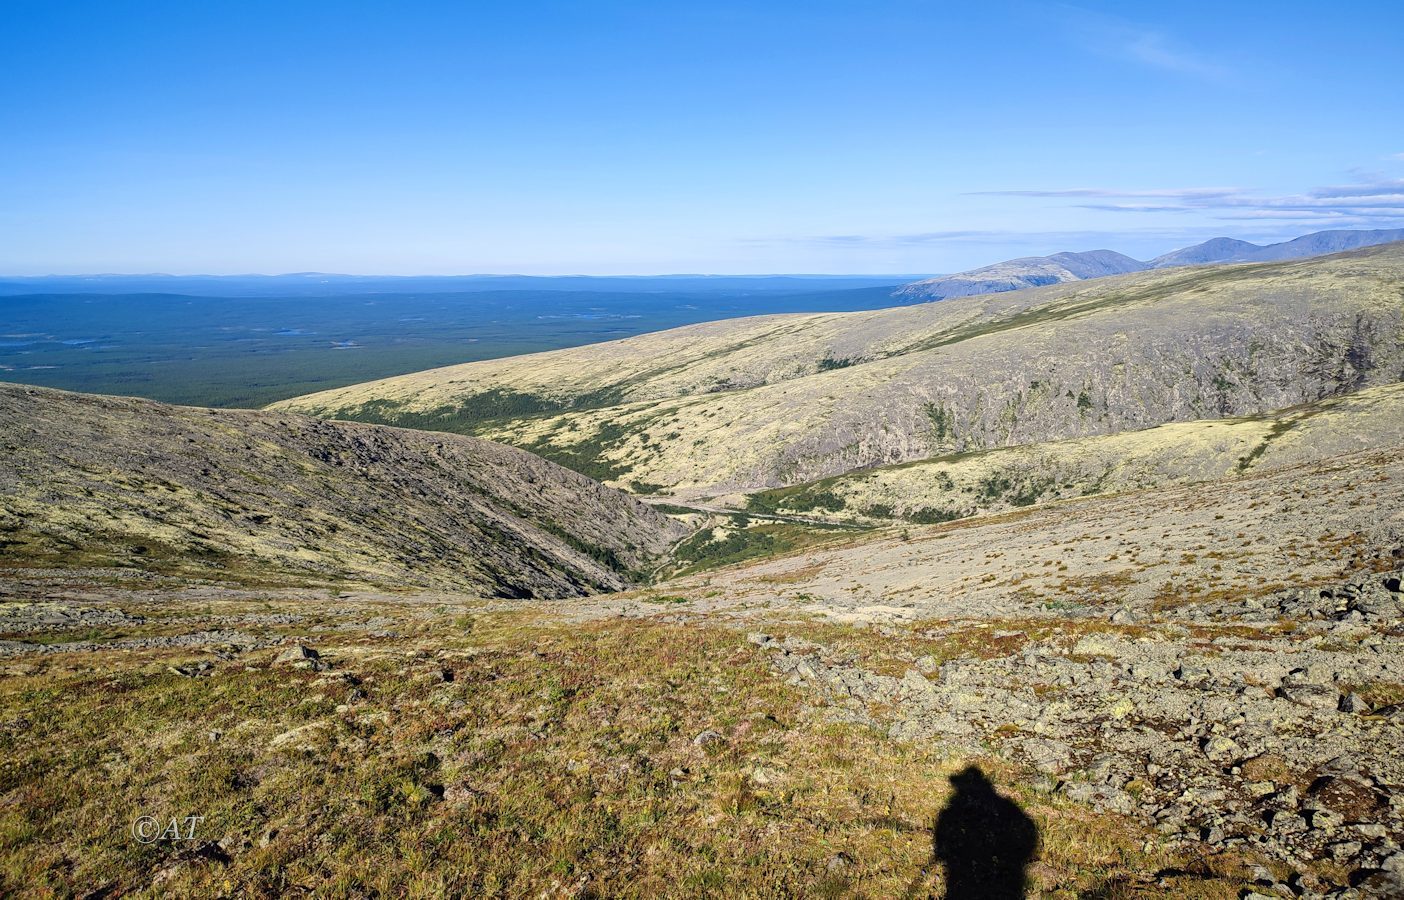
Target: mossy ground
{"x": 744, "y": 539}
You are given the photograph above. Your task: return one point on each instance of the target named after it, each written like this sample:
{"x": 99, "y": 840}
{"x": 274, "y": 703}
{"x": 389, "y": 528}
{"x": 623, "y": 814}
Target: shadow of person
{"x": 983, "y": 840}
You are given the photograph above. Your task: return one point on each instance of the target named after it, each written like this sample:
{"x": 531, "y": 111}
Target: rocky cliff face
{"x": 142, "y": 486}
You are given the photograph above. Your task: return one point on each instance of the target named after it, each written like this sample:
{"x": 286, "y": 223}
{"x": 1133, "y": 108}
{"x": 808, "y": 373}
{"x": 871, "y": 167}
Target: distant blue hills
{"x": 1010, "y": 275}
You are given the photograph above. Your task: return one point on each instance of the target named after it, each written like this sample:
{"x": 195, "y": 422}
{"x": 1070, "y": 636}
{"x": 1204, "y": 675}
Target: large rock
{"x": 1048, "y": 756}
{"x": 300, "y": 656}
{"x": 1313, "y": 696}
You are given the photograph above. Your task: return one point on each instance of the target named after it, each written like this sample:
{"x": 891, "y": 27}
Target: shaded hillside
{"x": 777, "y": 400}
{"x": 109, "y": 482}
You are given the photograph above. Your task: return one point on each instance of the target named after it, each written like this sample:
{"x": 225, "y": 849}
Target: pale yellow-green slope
{"x": 959, "y": 485}
{"x": 777, "y": 400}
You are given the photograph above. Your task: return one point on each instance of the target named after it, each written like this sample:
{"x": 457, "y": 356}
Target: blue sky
{"x": 646, "y": 137}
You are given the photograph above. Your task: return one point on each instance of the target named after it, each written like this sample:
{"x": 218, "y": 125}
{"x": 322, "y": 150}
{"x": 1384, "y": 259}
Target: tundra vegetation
{"x": 725, "y": 408}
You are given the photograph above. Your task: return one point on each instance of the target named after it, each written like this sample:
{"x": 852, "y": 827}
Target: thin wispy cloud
{"x": 1131, "y": 207}
{"x": 1335, "y": 217}
{"x": 1372, "y": 201}
{"x": 1145, "y": 45}
{"x": 1384, "y": 187}
{"x": 840, "y": 240}
{"x": 1370, "y": 198}
{"x": 989, "y": 236}
{"x": 1185, "y": 193}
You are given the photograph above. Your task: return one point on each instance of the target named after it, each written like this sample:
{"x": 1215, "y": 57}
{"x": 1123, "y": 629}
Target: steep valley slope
{"x": 138, "y": 486}
{"x": 964, "y": 484}
{"x": 779, "y": 400}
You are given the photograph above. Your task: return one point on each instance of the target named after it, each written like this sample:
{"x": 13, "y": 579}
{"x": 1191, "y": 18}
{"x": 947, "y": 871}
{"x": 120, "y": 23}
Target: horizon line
{"x": 471, "y": 275}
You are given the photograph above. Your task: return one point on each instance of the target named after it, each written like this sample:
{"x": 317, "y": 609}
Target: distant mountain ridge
{"x": 1316, "y": 244}
{"x": 1211, "y": 251}
{"x": 1037, "y": 271}
{"x": 1025, "y": 272}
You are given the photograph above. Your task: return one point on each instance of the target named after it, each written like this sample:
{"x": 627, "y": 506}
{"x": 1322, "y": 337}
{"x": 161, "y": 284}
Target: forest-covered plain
{"x": 248, "y": 351}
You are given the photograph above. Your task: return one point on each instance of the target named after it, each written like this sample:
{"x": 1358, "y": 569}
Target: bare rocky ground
{"x": 1149, "y": 552}
{"x": 1274, "y": 725}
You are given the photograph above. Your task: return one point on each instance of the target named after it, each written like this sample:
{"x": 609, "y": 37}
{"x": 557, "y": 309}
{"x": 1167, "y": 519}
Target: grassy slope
{"x": 106, "y": 482}
{"x": 457, "y": 750}
{"x": 784, "y": 399}
{"x": 557, "y": 761}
